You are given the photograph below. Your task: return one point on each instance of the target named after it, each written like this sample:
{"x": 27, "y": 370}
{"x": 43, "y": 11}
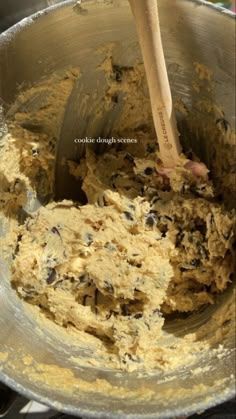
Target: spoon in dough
{"x": 147, "y": 22}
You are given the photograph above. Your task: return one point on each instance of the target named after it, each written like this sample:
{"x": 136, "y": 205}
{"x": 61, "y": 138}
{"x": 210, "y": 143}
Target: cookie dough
{"x": 145, "y": 246}
{"x": 137, "y": 251}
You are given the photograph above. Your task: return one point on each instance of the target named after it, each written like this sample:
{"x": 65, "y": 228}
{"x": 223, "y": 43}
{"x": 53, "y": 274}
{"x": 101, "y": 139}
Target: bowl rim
{"x": 7, "y": 35}
{"x": 70, "y": 409}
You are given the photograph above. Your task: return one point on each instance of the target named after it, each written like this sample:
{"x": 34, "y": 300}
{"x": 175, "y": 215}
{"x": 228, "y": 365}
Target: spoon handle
{"x": 147, "y": 23}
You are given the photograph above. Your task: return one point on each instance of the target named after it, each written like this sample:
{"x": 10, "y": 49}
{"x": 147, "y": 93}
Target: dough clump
{"x": 144, "y": 247}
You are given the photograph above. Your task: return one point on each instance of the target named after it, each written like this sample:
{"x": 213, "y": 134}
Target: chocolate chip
{"x": 30, "y": 293}
{"x": 118, "y": 76}
{"x": 148, "y": 171}
{"x": 223, "y": 123}
{"x": 52, "y": 145}
{"x": 152, "y": 218}
{"x": 128, "y": 215}
{"x": 133, "y": 263}
{"x": 150, "y": 221}
{"x": 130, "y": 357}
{"x": 105, "y": 201}
{"x": 113, "y": 178}
{"x": 108, "y": 316}
{"x": 35, "y": 152}
{"x": 117, "y": 73}
{"x": 51, "y": 276}
{"x": 201, "y": 226}
{"x": 158, "y": 312}
{"x": 163, "y": 229}
{"x": 142, "y": 190}
{"x": 125, "y": 310}
{"x": 19, "y": 238}
{"x": 55, "y": 231}
{"x": 108, "y": 287}
{"x": 179, "y": 238}
{"x": 18, "y": 186}
{"x": 147, "y": 325}
{"x": 83, "y": 278}
{"x": 138, "y": 316}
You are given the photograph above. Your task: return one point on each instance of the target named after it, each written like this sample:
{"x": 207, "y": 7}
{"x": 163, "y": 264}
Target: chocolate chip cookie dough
{"x": 145, "y": 245}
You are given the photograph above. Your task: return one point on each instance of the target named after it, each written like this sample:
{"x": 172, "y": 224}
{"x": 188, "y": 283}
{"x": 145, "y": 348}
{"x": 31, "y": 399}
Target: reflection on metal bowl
{"x": 12, "y": 11}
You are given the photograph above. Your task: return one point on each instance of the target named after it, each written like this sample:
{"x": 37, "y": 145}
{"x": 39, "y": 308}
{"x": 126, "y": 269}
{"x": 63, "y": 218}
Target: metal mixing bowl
{"x": 12, "y": 11}
{"x": 194, "y": 32}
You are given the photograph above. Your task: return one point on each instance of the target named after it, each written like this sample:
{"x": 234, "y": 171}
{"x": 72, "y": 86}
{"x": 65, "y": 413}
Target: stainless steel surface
{"x": 193, "y": 32}
{"x": 11, "y": 11}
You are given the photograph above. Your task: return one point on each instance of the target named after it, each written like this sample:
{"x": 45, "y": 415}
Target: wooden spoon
{"x": 147, "y": 22}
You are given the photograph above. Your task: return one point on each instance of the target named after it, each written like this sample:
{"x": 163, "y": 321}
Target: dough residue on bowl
{"x": 144, "y": 247}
